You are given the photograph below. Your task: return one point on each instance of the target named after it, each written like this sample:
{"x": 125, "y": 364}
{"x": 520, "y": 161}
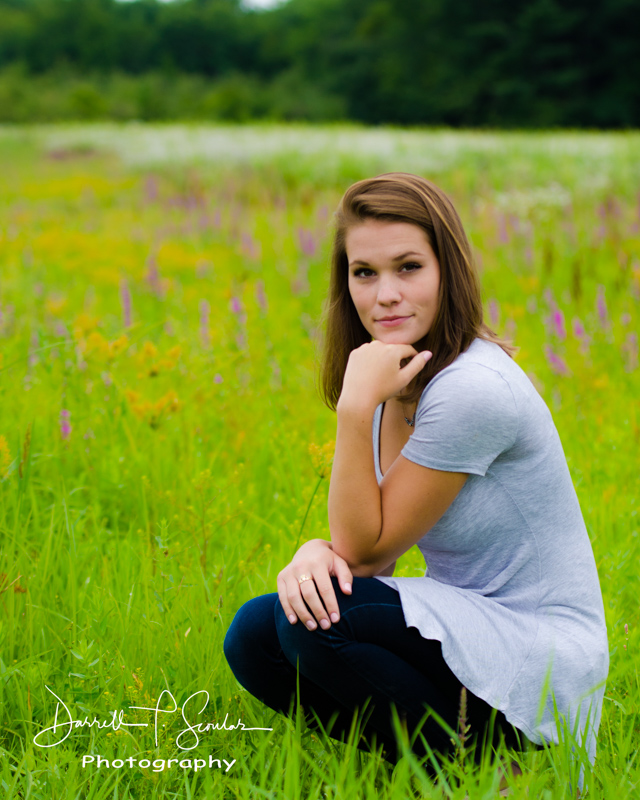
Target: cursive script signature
{"x": 187, "y": 739}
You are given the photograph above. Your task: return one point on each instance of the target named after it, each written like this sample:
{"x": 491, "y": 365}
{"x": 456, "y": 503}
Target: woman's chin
{"x": 394, "y": 337}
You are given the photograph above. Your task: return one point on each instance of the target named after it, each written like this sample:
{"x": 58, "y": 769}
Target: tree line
{"x": 500, "y": 63}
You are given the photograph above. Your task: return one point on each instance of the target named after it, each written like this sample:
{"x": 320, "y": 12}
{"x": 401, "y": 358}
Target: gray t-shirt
{"x": 511, "y": 588}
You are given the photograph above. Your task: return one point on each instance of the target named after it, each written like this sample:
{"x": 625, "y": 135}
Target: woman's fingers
{"x": 328, "y": 595}
{"x": 343, "y": 574}
{"x": 284, "y": 600}
{"x": 313, "y": 600}
{"x": 415, "y": 366}
{"x": 296, "y": 599}
{"x": 309, "y": 591}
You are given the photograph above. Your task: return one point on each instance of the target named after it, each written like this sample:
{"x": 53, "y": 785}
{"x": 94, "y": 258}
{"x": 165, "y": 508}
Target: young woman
{"x": 442, "y": 441}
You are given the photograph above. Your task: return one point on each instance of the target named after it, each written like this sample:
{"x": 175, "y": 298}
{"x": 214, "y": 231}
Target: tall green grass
{"x": 163, "y": 286}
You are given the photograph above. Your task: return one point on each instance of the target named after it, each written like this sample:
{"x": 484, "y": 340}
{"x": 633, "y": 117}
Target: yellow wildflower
{"x": 55, "y": 304}
{"x": 149, "y": 351}
{"x": 95, "y": 343}
{"x": 5, "y": 457}
{"x": 84, "y": 324}
{"x": 322, "y": 457}
{"x": 118, "y": 345}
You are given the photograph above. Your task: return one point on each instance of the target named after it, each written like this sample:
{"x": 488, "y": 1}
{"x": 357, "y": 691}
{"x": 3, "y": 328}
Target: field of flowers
{"x": 163, "y": 447}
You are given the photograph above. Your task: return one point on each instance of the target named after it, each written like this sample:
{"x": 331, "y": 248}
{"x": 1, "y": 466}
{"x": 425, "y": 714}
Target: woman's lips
{"x": 392, "y": 323}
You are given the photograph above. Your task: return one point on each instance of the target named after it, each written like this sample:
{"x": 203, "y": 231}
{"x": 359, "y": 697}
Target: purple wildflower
{"x": 580, "y": 333}
{"x": 551, "y": 300}
{"x": 556, "y": 363}
{"x": 528, "y": 254}
{"x": 153, "y": 277}
{"x": 261, "y": 297}
{"x": 217, "y": 378}
{"x": 630, "y": 349}
{"x": 601, "y": 305}
{"x": 65, "y": 427}
{"x": 205, "y": 308}
{"x": 557, "y": 319}
{"x": 249, "y": 246}
{"x": 307, "y": 242}
{"x": 125, "y": 299}
{"x": 494, "y": 313}
{"x": 625, "y": 319}
{"x": 241, "y": 317}
{"x": 236, "y": 305}
{"x": 60, "y": 329}
{"x": 578, "y": 328}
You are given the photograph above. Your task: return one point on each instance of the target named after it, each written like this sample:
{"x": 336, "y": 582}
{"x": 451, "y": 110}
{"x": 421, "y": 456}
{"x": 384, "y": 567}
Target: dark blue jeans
{"x": 367, "y": 662}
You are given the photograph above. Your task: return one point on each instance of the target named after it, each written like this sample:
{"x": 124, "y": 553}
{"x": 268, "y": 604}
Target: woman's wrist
{"x": 355, "y": 408}
{"x": 317, "y": 542}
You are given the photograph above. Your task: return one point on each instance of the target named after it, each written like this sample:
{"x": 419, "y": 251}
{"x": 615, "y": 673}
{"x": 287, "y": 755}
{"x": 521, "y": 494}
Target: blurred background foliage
{"x": 498, "y": 63}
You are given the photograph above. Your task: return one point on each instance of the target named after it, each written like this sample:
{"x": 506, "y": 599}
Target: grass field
{"x": 163, "y": 446}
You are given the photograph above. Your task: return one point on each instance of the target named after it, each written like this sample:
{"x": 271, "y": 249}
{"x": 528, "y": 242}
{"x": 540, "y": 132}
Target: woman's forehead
{"x": 385, "y": 238}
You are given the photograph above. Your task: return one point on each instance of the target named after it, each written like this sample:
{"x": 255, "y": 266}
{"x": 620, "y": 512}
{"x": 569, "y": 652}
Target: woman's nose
{"x": 388, "y": 291}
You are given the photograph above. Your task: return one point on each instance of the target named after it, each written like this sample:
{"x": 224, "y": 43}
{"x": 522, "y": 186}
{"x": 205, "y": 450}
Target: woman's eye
{"x": 411, "y": 266}
{"x": 362, "y": 272}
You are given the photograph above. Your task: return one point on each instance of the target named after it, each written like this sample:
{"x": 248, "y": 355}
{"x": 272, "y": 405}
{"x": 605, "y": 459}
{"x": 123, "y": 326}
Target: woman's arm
{"x": 372, "y": 525}
{"x": 388, "y": 572}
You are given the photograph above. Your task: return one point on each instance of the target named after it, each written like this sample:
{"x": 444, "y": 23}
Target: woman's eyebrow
{"x": 401, "y": 257}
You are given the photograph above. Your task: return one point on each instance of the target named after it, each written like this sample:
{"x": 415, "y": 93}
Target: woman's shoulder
{"x": 483, "y": 364}
{"x": 486, "y": 368}
{"x": 483, "y": 353}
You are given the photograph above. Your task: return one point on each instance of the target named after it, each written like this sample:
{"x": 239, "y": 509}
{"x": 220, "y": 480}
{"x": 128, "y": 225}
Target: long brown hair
{"x": 401, "y": 197}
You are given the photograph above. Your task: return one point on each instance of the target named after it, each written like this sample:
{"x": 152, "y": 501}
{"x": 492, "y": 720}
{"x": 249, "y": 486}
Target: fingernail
{"x": 334, "y": 617}
{"x": 347, "y": 587}
{"x": 311, "y": 625}
{"x": 426, "y": 354}
{"x": 292, "y": 618}
{"x": 324, "y": 624}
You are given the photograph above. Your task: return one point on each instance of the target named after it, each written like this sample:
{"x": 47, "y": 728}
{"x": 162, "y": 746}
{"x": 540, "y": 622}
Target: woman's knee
{"x": 250, "y": 632}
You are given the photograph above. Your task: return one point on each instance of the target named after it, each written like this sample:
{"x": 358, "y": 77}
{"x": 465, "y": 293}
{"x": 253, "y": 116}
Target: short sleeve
{"x": 465, "y": 419}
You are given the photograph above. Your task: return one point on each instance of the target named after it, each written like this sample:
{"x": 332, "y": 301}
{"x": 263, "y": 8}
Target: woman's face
{"x": 394, "y": 279}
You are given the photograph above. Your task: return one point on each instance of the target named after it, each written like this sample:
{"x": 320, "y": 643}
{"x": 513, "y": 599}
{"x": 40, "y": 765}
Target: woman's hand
{"x": 317, "y": 560}
{"x": 374, "y": 374}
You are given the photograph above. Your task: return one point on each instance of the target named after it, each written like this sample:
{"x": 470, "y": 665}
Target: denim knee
{"x": 310, "y": 651}
{"x": 248, "y": 635}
